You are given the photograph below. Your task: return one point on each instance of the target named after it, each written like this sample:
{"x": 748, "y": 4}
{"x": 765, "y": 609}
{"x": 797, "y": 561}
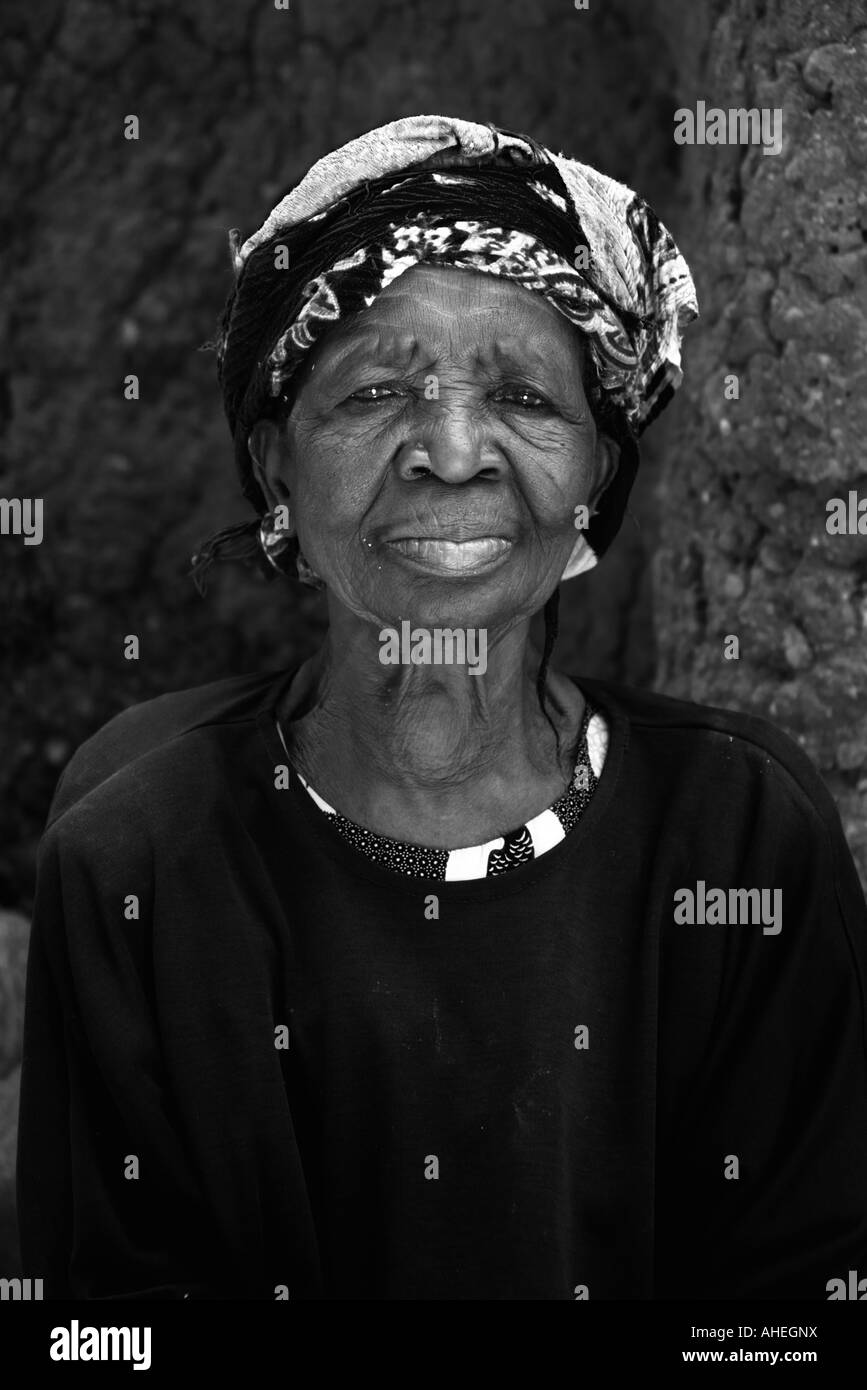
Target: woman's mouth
{"x": 453, "y": 557}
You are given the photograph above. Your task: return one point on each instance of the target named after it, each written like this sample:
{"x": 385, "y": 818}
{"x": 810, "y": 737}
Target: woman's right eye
{"x": 372, "y": 394}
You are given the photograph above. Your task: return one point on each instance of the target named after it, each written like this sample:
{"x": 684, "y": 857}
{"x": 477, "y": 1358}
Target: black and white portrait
{"x": 434, "y": 554}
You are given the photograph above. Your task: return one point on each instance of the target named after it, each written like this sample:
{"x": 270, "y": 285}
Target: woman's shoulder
{"x": 138, "y": 734}
{"x": 711, "y": 741}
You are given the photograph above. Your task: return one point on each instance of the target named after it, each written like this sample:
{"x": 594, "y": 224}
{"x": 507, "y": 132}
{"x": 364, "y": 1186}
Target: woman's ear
{"x": 270, "y": 456}
{"x": 606, "y": 461}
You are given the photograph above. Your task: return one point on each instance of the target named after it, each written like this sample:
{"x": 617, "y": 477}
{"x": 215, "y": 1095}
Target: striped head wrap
{"x": 448, "y": 192}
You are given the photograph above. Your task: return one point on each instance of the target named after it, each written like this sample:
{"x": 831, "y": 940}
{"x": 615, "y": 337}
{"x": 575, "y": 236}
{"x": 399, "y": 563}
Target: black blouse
{"x": 258, "y": 1065}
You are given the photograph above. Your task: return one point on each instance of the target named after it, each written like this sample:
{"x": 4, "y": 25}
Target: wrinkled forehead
{"x": 435, "y": 313}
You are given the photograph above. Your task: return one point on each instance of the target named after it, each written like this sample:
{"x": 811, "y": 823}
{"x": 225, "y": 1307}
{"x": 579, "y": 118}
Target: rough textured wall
{"x": 777, "y": 246}
{"x": 117, "y": 263}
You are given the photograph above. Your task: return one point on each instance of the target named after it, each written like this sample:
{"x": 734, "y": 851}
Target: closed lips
{"x": 452, "y": 555}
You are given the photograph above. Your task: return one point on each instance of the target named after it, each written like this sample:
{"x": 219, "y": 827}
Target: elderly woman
{"x": 405, "y": 974}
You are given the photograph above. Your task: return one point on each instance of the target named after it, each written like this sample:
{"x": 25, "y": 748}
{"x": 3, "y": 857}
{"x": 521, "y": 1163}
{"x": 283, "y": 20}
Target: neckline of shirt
{"x": 298, "y": 812}
{"x": 540, "y": 832}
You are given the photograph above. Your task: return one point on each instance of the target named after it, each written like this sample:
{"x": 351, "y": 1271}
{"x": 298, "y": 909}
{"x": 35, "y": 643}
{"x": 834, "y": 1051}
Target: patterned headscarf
{"x": 442, "y": 191}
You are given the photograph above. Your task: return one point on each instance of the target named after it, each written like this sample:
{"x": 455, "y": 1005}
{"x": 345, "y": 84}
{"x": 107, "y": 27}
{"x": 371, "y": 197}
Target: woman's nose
{"x": 454, "y": 445}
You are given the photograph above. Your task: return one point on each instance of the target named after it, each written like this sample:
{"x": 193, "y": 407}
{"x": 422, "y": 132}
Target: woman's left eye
{"x": 526, "y": 399}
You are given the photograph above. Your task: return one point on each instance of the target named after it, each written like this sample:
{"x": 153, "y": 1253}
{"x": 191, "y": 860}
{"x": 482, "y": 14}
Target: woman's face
{"x": 435, "y": 453}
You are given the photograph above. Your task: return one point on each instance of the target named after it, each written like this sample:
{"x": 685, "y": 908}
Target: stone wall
{"x": 777, "y": 247}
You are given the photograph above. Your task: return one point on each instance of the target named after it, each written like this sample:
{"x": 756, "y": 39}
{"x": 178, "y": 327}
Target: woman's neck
{"x": 432, "y": 753}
